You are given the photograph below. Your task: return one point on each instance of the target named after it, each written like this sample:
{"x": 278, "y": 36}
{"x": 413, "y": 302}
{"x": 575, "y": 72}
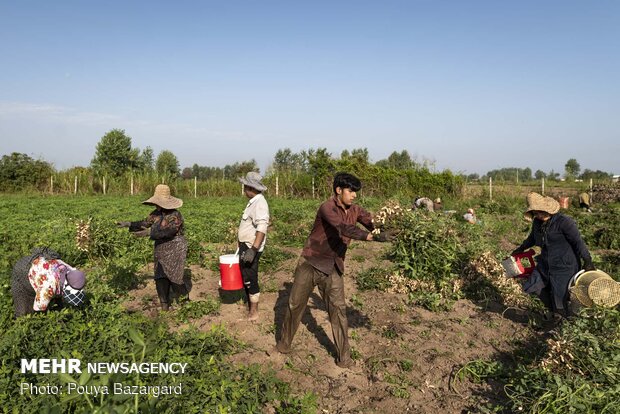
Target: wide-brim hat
{"x": 254, "y": 180}
{"x": 163, "y": 199}
{"x": 537, "y": 202}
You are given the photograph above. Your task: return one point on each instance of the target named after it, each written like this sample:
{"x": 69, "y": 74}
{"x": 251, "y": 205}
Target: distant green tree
{"x": 167, "y": 164}
{"x": 572, "y": 168}
{"x": 596, "y": 175}
{"x": 187, "y": 173}
{"x": 398, "y": 161}
{"x": 113, "y": 154}
{"x": 146, "y": 160}
{"x": 539, "y": 174}
{"x": 552, "y": 175}
{"x": 286, "y": 160}
{"x": 19, "y": 171}
{"x": 320, "y": 163}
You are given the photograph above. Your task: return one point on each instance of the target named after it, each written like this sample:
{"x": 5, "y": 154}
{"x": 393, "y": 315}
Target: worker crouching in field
{"x": 562, "y": 250}
{"x": 322, "y": 264}
{"x": 585, "y": 202}
{"x": 252, "y": 235}
{"x": 41, "y": 277}
{"x": 165, "y": 226}
{"x": 423, "y": 203}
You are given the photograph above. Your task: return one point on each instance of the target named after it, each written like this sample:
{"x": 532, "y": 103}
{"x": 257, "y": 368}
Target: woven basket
{"x": 604, "y": 292}
{"x": 595, "y": 287}
{"x": 587, "y": 277}
{"x": 580, "y": 293}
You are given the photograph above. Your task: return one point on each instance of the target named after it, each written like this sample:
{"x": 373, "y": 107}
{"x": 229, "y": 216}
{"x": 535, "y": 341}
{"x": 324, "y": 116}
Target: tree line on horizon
{"x": 115, "y": 157}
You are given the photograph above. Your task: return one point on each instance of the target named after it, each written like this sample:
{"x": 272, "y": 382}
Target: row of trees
{"x": 116, "y": 159}
{"x": 114, "y": 156}
{"x": 572, "y": 171}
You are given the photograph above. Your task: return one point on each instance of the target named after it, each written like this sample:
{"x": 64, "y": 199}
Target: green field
{"x": 115, "y": 260}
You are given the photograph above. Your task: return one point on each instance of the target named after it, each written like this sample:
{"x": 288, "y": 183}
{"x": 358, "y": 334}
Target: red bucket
{"x": 230, "y": 273}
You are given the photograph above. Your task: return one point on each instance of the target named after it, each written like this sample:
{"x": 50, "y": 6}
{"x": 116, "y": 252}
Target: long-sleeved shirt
{"x": 255, "y": 218}
{"x": 165, "y": 225}
{"x": 333, "y": 229}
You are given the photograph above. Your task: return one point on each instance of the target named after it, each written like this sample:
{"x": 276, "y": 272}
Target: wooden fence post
{"x": 51, "y": 184}
{"x": 277, "y": 185}
{"x": 104, "y": 185}
{"x": 195, "y": 187}
{"x": 75, "y": 185}
{"x": 491, "y": 188}
{"x": 131, "y": 186}
{"x": 312, "y": 187}
{"x": 543, "y": 185}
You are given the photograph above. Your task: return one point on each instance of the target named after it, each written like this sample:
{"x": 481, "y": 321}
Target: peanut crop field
{"x": 435, "y": 326}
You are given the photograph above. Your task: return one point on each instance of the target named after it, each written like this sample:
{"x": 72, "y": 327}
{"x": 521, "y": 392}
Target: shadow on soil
{"x": 355, "y": 318}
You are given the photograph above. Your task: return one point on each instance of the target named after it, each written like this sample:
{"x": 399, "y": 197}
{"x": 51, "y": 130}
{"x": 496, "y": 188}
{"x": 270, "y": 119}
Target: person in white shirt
{"x": 252, "y": 235}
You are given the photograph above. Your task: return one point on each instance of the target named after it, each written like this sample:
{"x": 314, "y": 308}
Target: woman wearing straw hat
{"x": 165, "y": 227}
{"x": 562, "y": 250}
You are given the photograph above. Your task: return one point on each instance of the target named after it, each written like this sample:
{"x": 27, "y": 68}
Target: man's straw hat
{"x": 537, "y": 202}
{"x": 163, "y": 199}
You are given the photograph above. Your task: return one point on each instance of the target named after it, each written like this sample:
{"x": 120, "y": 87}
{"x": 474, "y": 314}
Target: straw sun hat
{"x": 163, "y": 199}
{"x": 537, "y": 202}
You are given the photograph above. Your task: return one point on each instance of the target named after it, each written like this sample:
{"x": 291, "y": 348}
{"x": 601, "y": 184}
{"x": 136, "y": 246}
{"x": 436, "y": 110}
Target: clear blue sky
{"x": 469, "y": 85}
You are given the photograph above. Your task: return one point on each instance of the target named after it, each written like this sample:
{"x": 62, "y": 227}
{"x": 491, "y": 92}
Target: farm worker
{"x": 39, "y": 278}
{"x": 584, "y": 201}
{"x": 251, "y": 236}
{"x": 562, "y": 250}
{"x": 165, "y": 226}
{"x": 423, "y": 202}
{"x": 437, "y": 204}
{"x": 470, "y": 216}
{"x": 322, "y": 264}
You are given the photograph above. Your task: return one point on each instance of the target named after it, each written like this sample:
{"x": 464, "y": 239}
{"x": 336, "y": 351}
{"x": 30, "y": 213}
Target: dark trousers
{"x": 331, "y": 288}
{"x": 164, "y": 285}
{"x": 249, "y": 272}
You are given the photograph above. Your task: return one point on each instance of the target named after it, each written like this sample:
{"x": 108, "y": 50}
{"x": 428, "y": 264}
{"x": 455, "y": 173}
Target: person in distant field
{"x": 585, "y": 202}
{"x": 165, "y": 226}
{"x": 437, "y": 205}
{"x": 470, "y": 216}
{"x": 40, "y": 278}
{"x": 562, "y": 250}
{"x": 252, "y": 235}
{"x": 423, "y": 202}
{"x": 322, "y": 264}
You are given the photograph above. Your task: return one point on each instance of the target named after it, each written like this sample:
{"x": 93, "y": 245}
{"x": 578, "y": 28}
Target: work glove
{"x": 588, "y": 265}
{"x": 122, "y": 224}
{"x": 384, "y": 236}
{"x": 248, "y": 256}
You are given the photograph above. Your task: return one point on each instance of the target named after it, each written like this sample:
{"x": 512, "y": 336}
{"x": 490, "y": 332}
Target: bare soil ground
{"x": 407, "y": 357}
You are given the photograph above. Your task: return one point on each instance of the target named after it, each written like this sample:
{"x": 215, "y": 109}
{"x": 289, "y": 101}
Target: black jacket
{"x": 561, "y": 250}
